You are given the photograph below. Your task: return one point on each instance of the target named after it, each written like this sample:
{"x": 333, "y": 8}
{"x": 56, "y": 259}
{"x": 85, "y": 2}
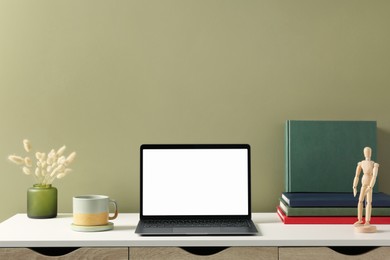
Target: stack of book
{"x": 329, "y": 208}
{"x": 321, "y": 160}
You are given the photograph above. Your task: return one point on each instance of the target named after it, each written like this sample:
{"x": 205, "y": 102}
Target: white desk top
{"x": 20, "y": 231}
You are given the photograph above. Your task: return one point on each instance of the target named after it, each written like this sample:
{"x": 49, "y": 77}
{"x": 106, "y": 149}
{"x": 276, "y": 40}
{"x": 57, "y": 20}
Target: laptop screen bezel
{"x": 195, "y": 146}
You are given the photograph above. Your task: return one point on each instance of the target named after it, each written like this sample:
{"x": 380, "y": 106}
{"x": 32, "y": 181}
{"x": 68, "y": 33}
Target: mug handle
{"x": 116, "y": 210}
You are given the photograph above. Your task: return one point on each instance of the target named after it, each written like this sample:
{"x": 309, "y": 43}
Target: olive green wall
{"x": 103, "y": 77}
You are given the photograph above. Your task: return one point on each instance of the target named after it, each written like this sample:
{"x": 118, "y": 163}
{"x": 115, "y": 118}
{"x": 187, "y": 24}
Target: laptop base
{"x": 145, "y": 230}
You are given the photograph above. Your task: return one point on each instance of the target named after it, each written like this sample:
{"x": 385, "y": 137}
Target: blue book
{"x": 328, "y": 211}
{"x": 331, "y": 199}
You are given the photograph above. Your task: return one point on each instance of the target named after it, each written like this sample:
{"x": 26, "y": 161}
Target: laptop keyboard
{"x": 196, "y": 223}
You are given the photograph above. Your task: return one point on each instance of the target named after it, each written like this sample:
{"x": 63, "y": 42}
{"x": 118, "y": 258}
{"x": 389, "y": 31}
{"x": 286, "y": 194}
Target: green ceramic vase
{"x": 42, "y": 201}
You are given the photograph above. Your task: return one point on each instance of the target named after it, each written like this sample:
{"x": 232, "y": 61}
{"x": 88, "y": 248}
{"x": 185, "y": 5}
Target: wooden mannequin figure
{"x": 370, "y": 172}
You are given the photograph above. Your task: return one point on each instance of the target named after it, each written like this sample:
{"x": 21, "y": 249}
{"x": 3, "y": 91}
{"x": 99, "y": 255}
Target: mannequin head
{"x": 367, "y": 153}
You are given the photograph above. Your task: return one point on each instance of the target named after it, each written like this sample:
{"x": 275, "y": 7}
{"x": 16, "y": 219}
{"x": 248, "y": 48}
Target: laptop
{"x": 195, "y": 189}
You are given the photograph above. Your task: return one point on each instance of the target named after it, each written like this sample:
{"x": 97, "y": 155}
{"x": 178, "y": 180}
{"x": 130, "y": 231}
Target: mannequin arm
{"x": 373, "y": 180}
{"x": 356, "y": 179}
{"x": 374, "y": 175}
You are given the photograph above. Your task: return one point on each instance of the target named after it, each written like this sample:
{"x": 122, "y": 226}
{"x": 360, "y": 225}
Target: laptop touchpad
{"x": 196, "y": 230}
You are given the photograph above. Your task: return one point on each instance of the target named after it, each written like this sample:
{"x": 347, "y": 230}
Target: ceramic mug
{"x": 93, "y": 210}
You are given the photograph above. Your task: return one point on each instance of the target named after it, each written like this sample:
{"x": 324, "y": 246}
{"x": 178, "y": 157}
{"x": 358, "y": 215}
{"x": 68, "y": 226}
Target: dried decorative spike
{"x": 28, "y": 162}
{"x": 61, "y": 175}
{"x": 37, "y": 172}
{"x": 70, "y": 158}
{"x": 27, "y": 145}
{"x": 38, "y": 155}
{"x": 61, "y": 150}
{"x": 16, "y": 159}
{"x": 26, "y": 171}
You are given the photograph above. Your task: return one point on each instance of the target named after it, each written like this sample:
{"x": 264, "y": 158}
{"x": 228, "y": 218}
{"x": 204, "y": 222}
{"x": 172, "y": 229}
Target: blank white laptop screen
{"x": 183, "y": 182}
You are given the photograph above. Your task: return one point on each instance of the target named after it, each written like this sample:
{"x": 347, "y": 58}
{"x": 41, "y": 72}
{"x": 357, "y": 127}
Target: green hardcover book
{"x": 321, "y": 156}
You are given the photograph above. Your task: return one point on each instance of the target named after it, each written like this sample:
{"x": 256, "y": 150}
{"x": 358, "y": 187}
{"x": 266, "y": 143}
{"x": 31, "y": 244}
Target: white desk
{"x": 21, "y": 232}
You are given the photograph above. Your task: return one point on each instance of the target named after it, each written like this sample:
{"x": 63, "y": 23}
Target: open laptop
{"x": 195, "y": 189}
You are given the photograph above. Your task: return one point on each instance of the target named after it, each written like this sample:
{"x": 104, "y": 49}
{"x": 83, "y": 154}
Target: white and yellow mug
{"x": 93, "y": 210}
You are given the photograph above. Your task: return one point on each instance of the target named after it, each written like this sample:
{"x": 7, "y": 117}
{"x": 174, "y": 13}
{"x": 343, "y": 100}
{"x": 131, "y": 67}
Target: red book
{"x": 328, "y": 220}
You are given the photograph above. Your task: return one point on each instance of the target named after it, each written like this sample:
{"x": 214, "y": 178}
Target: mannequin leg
{"x": 360, "y": 209}
{"x": 368, "y": 207}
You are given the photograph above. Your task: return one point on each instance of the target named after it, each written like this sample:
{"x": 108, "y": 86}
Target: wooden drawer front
{"x": 80, "y": 253}
{"x": 325, "y": 253}
{"x": 176, "y": 253}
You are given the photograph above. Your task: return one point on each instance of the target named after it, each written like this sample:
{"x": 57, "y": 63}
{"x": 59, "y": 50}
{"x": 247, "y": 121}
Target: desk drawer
{"x": 198, "y": 253}
{"x": 58, "y": 253}
{"x": 336, "y": 253}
